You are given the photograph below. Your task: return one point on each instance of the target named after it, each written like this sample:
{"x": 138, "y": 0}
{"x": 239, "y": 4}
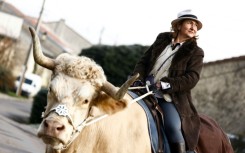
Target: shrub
{"x": 117, "y": 61}
{"x": 38, "y": 106}
{"x": 6, "y": 80}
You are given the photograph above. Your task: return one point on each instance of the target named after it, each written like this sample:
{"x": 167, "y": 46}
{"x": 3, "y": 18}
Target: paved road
{"x": 15, "y": 135}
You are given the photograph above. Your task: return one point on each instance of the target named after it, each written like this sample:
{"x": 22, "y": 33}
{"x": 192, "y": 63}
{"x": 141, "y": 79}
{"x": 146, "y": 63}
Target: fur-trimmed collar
{"x": 187, "y": 48}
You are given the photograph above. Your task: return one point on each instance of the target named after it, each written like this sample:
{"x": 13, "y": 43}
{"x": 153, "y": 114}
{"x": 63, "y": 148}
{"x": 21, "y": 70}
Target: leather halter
{"x": 62, "y": 110}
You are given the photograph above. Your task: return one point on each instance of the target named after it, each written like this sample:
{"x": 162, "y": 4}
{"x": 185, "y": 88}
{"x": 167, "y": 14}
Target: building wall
{"x": 6, "y": 52}
{"x": 220, "y": 93}
{"x": 75, "y": 41}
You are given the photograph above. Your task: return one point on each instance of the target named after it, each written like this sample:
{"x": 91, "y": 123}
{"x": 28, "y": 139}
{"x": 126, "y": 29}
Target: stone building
{"x": 67, "y": 34}
{"x": 220, "y": 93}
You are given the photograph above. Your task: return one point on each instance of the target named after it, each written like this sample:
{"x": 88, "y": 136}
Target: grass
{"x": 13, "y": 94}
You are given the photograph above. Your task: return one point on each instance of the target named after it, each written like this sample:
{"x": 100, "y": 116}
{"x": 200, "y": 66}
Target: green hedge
{"x": 117, "y": 62}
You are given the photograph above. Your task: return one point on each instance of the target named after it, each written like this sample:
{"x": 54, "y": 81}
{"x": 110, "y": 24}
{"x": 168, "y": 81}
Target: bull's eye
{"x": 85, "y": 101}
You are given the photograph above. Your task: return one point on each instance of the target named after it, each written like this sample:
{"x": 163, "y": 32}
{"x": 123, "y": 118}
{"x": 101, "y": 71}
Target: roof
{"x": 11, "y": 9}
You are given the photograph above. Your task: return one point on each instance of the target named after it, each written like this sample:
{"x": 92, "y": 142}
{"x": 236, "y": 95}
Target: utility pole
{"x": 101, "y": 33}
{"x": 37, "y": 27}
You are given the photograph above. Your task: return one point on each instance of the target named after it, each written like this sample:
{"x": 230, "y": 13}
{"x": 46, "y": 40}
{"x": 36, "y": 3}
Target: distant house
{"x": 55, "y": 37}
{"x": 67, "y": 34}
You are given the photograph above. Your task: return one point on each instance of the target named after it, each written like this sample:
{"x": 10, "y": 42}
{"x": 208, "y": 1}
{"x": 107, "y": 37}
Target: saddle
{"x": 157, "y": 115}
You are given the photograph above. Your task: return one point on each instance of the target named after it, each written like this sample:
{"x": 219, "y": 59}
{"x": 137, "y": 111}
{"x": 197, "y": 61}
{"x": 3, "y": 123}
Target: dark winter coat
{"x": 184, "y": 74}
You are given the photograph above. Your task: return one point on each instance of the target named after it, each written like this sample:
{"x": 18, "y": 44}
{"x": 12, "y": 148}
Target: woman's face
{"x": 188, "y": 29}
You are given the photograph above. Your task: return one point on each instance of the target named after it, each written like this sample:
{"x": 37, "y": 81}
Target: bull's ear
{"x": 108, "y": 105}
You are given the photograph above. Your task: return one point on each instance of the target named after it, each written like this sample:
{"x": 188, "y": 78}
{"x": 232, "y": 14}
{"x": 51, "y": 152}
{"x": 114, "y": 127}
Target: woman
{"x": 172, "y": 65}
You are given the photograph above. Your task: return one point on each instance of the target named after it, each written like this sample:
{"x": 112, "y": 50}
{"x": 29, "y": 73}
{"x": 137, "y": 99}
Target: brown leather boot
{"x": 177, "y": 148}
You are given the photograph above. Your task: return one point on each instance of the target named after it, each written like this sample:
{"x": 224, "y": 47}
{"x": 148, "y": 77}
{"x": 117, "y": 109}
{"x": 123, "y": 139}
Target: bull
{"x": 87, "y": 114}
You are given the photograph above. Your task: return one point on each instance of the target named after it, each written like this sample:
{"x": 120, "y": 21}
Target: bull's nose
{"x": 54, "y": 127}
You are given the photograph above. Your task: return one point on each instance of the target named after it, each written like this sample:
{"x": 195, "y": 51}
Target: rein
{"x": 62, "y": 110}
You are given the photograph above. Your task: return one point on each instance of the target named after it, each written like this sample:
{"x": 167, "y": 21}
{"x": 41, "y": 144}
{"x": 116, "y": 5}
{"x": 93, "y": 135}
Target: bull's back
{"x": 123, "y": 132}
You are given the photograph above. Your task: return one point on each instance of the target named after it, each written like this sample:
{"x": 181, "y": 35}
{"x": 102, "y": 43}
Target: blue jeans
{"x": 172, "y": 122}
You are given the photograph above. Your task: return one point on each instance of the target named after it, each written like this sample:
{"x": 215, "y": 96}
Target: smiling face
{"x": 188, "y": 29}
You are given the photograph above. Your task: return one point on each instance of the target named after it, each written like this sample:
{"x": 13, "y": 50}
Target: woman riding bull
{"x": 172, "y": 67}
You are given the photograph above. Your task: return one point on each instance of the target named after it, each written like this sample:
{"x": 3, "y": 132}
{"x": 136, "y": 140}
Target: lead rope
{"x": 89, "y": 120}
{"x": 142, "y": 96}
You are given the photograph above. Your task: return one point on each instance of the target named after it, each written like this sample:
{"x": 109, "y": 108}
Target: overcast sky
{"x": 127, "y": 22}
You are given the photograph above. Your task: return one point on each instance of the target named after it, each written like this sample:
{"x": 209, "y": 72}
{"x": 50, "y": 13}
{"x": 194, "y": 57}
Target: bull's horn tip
{"x": 31, "y": 29}
{"x": 136, "y": 75}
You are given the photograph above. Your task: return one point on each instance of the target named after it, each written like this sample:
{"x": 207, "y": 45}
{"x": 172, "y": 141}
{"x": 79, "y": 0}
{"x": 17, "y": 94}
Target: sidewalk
{"x": 15, "y": 136}
{"x": 18, "y": 138}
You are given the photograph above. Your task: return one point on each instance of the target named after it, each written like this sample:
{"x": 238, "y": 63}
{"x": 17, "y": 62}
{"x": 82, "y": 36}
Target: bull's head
{"x": 78, "y": 91}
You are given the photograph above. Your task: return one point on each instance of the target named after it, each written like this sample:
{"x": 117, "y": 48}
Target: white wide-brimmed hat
{"x": 187, "y": 14}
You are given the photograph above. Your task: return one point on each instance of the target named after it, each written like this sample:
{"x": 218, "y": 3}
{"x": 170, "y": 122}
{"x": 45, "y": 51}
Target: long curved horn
{"x": 115, "y": 93}
{"x": 38, "y": 54}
